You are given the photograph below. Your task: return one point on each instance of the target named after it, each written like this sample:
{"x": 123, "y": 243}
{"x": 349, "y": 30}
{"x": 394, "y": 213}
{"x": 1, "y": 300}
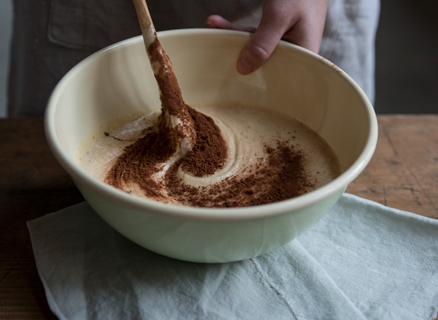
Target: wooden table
{"x": 402, "y": 174}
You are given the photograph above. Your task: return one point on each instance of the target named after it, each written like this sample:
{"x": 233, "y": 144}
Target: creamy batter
{"x": 267, "y": 157}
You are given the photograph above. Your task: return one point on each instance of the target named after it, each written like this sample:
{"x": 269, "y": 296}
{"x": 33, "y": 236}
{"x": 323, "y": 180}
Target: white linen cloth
{"x": 362, "y": 260}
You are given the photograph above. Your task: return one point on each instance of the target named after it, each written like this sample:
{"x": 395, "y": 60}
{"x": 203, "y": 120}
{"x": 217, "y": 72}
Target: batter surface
{"x": 243, "y": 156}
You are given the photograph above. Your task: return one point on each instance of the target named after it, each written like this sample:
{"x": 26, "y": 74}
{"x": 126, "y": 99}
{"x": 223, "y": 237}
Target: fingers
{"x": 276, "y": 20}
{"x": 221, "y": 23}
{"x": 307, "y": 31}
{"x": 298, "y": 21}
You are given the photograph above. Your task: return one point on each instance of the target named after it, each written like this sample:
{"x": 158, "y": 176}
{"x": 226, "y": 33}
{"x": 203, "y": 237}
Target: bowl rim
{"x": 218, "y": 214}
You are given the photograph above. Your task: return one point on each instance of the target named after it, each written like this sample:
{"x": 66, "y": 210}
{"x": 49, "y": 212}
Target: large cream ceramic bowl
{"x": 118, "y": 80}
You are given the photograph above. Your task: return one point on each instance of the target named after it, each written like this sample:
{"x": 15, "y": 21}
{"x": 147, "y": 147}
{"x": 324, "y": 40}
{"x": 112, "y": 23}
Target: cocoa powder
{"x": 172, "y": 102}
{"x": 142, "y": 159}
{"x": 210, "y": 151}
{"x": 170, "y": 92}
{"x": 280, "y": 175}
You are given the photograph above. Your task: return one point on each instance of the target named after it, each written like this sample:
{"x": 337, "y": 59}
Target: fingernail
{"x": 244, "y": 66}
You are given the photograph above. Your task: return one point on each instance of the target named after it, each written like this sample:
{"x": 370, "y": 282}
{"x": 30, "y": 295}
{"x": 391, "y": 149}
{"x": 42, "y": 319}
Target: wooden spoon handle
{"x": 145, "y": 20}
{"x": 176, "y": 112}
{"x": 143, "y": 15}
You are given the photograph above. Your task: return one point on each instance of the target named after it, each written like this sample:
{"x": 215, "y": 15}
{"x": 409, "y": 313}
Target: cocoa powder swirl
{"x": 210, "y": 150}
{"x": 142, "y": 159}
{"x": 280, "y": 175}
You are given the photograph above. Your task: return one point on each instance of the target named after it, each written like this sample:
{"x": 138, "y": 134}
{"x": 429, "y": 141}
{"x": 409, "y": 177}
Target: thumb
{"x": 254, "y": 54}
{"x": 259, "y": 48}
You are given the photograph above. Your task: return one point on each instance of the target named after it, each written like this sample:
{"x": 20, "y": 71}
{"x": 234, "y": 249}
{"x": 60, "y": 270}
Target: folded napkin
{"x": 362, "y": 260}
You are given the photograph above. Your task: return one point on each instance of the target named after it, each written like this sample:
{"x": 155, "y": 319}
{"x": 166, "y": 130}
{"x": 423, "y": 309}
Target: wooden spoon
{"x": 175, "y": 111}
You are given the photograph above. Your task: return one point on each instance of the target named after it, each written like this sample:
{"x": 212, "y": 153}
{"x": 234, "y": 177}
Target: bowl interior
{"x": 119, "y": 80}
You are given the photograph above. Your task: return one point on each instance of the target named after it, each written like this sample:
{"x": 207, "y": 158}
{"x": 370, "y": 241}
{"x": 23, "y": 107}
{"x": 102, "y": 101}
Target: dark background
{"x": 407, "y": 57}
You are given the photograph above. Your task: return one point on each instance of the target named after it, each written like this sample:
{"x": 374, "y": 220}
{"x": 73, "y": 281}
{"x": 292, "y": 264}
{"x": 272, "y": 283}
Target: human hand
{"x": 297, "y": 21}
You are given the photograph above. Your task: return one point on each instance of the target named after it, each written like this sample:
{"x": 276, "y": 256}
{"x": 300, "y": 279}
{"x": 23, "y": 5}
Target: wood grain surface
{"x": 402, "y": 174}
{"x": 32, "y": 184}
